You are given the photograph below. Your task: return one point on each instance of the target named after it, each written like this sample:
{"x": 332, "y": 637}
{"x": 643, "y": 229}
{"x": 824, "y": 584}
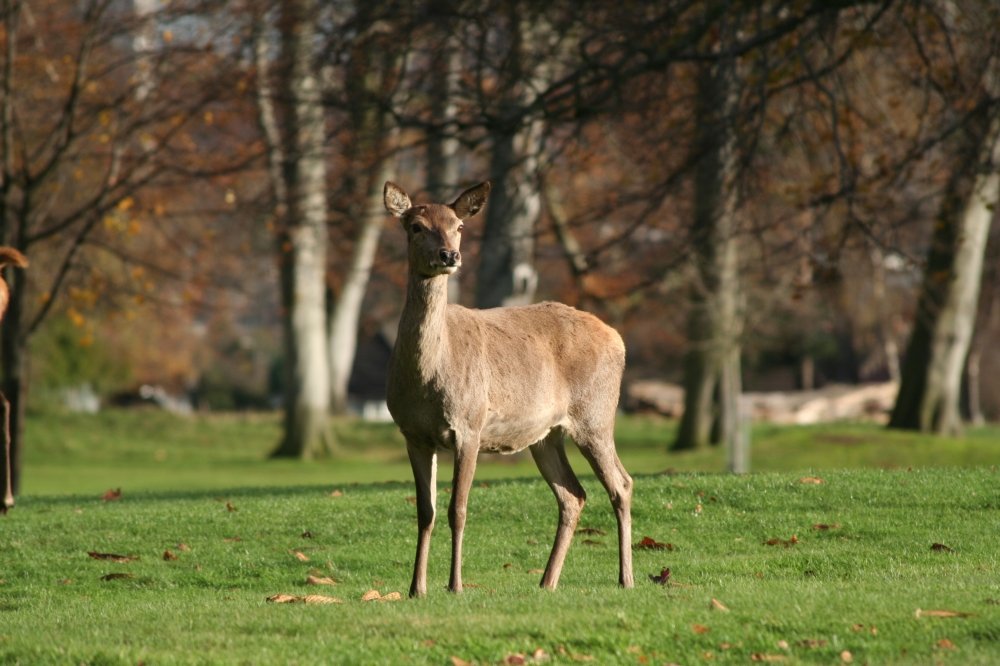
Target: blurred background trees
{"x": 765, "y": 195}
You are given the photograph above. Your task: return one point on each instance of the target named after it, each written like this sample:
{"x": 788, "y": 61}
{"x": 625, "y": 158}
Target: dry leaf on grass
{"x": 183, "y": 547}
{"x": 375, "y": 595}
{"x": 811, "y": 480}
{"x": 591, "y": 531}
{"x": 715, "y": 604}
{"x": 761, "y": 656}
{"x": 458, "y": 661}
{"x": 846, "y": 657}
{"x": 813, "y": 643}
{"x": 782, "y": 542}
{"x": 941, "y": 548}
{"x": 663, "y": 578}
{"x": 536, "y": 571}
{"x": 112, "y": 557}
{"x": 336, "y": 493}
{"x": 169, "y": 556}
{"x": 822, "y": 527}
{"x": 945, "y": 644}
{"x": 649, "y": 543}
{"x": 319, "y": 580}
{"x": 112, "y": 495}
{"x": 700, "y": 629}
{"x": 299, "y": 555}
{"x": 230, "y": 507}
{"x": 303, "y": 599}
{"x": 940, "y": 613}
{"x": 117, "y": 576}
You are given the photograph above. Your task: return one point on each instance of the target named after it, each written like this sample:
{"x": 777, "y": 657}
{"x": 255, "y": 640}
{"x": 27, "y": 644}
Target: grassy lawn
{"x": 825, "y": 559}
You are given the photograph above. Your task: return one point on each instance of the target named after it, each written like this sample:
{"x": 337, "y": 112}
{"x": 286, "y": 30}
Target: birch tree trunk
{"x": 370, "y": 73}
{"x": 930, "y": 383}
{"x": 307, "y": 430}
{"x": 715, "y": 323}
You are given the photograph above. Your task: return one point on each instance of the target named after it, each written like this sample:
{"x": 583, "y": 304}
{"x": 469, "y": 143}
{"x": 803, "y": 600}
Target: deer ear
{"x": 472, "y": 200}
{"x": 396, "y": 200}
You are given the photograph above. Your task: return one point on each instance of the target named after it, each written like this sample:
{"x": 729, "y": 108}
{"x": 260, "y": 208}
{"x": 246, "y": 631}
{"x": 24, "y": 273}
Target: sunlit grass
{"x": 151, "y": 450}
{"x": 850, "y": 589}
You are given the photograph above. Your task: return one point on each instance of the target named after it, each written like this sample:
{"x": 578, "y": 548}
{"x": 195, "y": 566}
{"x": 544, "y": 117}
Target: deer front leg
{"x": 465, "y": 469}
{"x": 424, "y": 463}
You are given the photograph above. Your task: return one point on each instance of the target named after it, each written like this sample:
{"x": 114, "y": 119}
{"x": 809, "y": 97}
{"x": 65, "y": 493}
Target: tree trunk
{"x": 715, "y": 323}
{"x": 443, "y": 180}
{"x": 347, "y": 311}
{"x": 930, "y": 384}
{"x": 507, "y": 274}
{"x": 307, "y": 430}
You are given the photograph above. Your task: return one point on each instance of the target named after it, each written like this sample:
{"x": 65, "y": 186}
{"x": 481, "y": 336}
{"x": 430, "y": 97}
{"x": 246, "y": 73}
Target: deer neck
{"x": 423, "y": 331}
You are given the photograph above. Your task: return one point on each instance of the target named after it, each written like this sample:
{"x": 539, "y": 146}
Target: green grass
{"x": 146, "y": 450}
{"x": 855, "y": 587}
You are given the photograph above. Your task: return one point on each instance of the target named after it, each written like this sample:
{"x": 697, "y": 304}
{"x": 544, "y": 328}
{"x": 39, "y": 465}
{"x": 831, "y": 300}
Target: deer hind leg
{"x": 550, "y": 456}
{"x": 600, "y": 453}
{"x": 424, "y": 463}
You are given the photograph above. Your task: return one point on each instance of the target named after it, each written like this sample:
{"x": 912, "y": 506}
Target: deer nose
{"x": 450, "y": 257}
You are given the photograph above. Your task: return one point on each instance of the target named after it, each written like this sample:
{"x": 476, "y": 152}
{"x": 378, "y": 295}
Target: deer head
{"x": 434, "y": 231}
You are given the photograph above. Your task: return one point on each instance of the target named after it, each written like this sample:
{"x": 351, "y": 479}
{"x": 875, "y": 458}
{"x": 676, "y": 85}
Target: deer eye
{"x": 416, "y": 227}
{"x": 460, "y": 228}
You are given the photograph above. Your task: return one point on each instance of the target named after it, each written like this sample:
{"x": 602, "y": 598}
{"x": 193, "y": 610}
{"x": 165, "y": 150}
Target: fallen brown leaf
{"x": 846, "y": 656}
{"x": 760, "y": 656}
{"x": 592, "y": 542}
{"x": 782, "y": 542}
{"x": 319, "y": 580}
{"x": 941, "y": 548}
{"x": 715, "y": 604}
{"x": 112, "y": 557}
{"x": 945, "y": 644}
{"x": 168, "y": 556}
{"x": 813, "y": 480}
{"x": 183, "y": 547}
{"x": 112, "y": 495}
{"x": 392, "y": 596}
{"x": 649, "y": 543}
{"x": 823, "y": 526}
{"x": 233, "y": 539}
{"x": 299, "y": 555}
{"x": 230, "y": 508}
{"x": 663, "y": 578}
{"x": 515, "y": 660}
{"x": 336, "y": 493}
{"x": 456, "y": 661}
{"x": 320, "y": 599}
{"x": 371, "y": 595}
{"x": 813, "y": 643}
{"x": 306, "y": 599}
{"x": 700, "y": 629}
{"x": 940, "y": 613}
{"x": 536, "y": 571}
{"x": 117, "y": 576}
{"x": 591, "y": 531}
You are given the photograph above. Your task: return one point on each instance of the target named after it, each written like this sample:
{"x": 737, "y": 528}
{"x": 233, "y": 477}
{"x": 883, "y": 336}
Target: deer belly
{"x": 513, "y": 433}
